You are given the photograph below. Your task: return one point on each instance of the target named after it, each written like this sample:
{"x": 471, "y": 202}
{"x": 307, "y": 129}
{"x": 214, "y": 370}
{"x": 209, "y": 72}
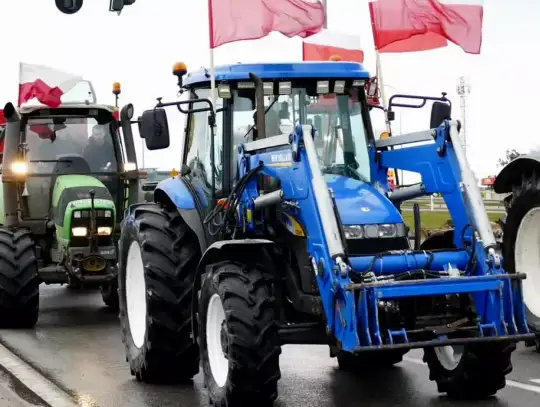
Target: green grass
{"x": 437, "y": 219}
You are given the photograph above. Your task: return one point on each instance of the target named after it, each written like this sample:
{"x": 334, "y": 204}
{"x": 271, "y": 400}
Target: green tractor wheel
{"x": 19, "y": 282}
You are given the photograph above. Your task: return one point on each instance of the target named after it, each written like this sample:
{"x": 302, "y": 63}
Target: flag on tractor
{"x": 412, "y": 25}
{"x": 328, "y": 44}
{"x": 45, "y": 84}
{"x": 238, "y": 20}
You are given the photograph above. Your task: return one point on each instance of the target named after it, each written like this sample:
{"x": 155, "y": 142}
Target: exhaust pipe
{"x": 11, "y": 148}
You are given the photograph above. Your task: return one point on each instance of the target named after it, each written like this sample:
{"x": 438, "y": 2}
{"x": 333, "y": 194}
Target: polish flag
{"x": 45, "y": 84}
{"x": 327, "y": 44}
{"x": 238, "y": 20}
{"x": 413, "y": 25}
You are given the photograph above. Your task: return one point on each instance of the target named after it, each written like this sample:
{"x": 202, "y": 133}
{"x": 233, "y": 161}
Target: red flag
{"x": 327, "y": 44}
{"x": 238, "y": 20}
{"x": 45, "y": 84}
{"x": 415, "y": 25}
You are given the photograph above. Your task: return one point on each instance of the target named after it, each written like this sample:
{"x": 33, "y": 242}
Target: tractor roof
{"x": 293, "y": 70}
{"x": 33, "y": 108}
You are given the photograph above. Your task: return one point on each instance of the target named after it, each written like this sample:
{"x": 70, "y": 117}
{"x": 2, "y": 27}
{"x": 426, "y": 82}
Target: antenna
{"x": 463, "y": 89}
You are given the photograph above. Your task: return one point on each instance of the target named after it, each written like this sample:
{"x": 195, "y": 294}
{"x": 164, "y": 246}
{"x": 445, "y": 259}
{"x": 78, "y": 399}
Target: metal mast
{"x": 463, "y": 90}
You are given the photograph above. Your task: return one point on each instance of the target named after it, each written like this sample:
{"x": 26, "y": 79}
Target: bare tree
{"x": 509, "y": 156}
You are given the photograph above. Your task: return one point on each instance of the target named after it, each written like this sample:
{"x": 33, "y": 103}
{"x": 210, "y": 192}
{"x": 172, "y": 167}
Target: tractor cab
{"x": 68, "y": 173}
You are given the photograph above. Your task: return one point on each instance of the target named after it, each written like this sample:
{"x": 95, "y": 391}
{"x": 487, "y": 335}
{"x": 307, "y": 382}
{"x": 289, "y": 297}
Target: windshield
{"x": 80, "y": 141}
{"x": 340, "y": 131}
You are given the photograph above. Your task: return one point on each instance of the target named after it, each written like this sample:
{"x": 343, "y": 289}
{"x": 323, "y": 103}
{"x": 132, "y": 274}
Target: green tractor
{"x": 67, "y": 175}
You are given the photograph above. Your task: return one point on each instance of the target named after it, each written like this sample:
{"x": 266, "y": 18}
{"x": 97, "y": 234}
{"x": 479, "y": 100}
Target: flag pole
{"x": 213, "y": 97}
{"x": 325, "y": 5}
{"x": 379, "y": 73}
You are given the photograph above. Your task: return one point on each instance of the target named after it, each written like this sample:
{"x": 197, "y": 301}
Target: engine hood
{"x": 360, "y": 203}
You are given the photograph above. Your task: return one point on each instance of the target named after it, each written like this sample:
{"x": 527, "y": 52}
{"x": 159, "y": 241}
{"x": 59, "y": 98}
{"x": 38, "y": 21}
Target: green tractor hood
{"x": 71, "y": 201}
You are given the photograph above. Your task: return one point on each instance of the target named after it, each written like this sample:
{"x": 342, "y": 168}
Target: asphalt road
{"x": 77, "y": 345}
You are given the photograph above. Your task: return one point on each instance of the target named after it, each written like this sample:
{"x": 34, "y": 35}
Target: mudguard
{"x": 512, "y": 172}
{"x": 216, "y": 252}
{"x": 177, "y": 191}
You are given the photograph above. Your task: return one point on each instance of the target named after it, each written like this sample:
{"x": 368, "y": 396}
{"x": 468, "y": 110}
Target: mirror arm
{"x": 212, "y": 124}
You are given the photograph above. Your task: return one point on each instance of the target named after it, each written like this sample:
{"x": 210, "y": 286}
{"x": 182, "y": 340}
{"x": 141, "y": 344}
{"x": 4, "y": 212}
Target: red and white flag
{"x": 327, "y": 44}
{"x": 238, "y": 20}
{"x": 45, "y": 84}
{"x": 419, "y": 25}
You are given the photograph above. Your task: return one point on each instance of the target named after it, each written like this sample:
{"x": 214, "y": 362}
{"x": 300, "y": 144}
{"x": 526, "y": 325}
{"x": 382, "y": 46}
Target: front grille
{"x": 366, "y": 247}
{"x": 84, "y": 220}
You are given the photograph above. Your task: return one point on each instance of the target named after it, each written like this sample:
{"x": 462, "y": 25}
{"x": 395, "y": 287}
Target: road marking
{"x": 510, "y": 383}
{"x": 537, "y": 381}
{"x": 34, "y": 381}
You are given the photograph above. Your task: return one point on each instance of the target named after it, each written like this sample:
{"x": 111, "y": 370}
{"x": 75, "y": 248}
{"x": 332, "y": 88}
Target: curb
{"x": 34, "y": 382}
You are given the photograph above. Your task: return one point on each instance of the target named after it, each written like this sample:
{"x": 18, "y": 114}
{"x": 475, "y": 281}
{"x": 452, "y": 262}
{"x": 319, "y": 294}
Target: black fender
{"x": 219, "y": 251}
{"x": 191, "y": 216}
{"x": 513, "y": 172}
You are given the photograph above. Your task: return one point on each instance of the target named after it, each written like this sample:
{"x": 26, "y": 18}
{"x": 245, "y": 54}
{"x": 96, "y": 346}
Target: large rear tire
{"x": 521, "y": 244}
{"x": 109, "y": 295}
{"x": 158, "y": 260}
{"x": 238, "y": 336}
{"x": 19, "y": 281}
{"x": 470, "y": 371}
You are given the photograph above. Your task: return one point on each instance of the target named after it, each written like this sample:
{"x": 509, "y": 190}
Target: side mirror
{"x": 440, "y": 111}
{"x": 155, "y": 129}
{"x": 69, "y": 6}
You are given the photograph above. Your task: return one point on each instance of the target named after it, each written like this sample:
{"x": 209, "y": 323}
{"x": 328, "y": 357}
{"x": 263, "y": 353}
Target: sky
{"x": 139, "y": 48}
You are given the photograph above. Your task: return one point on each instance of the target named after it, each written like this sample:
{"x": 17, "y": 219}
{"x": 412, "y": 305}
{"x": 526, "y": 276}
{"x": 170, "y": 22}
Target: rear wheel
{"x": 158, "y": 260}
{"x": 521, "y": 245}
{"x": 109, "y": 294}
{"x": 19, "y": 281}
{"x": 238, "y": 335}
{"x": 470, "y": 371}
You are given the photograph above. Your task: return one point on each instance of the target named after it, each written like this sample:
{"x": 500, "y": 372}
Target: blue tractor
{"x": 279, "y": 232}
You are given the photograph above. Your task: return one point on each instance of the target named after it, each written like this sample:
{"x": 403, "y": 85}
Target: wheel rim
{"x": 449, "y": 356}
{"x": 527, "y": 258}
{"x": 136, "y": 295}
{"x": 215, "y": 318}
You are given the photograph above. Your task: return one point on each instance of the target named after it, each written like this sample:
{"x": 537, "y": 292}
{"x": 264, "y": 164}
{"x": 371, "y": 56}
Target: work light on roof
{"x": 268, "y": 88}
{"x": 359, "y": 82}
{"x": 246, "y": 85}
{"x": 323, "y": 87}
{"x": 224, "y": 91}
{"x": 285, "y": 88}
{"x": 339, "y": 87}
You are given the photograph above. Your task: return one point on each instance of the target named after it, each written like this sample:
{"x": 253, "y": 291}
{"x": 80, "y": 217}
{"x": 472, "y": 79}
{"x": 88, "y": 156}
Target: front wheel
{"x": 470, "y": 371}
{"x": 239, "y": 336}
{"x": 109, "y": 294}
{"x": 158, "y": 257}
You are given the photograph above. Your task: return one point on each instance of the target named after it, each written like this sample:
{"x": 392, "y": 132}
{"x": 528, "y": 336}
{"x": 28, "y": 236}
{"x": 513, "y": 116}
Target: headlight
{"x": 80, "y": 231}
{"x": 375, "y": 231}
{"x": 19, "y": 167}
{"x": 108, "y": 214}
{"x": 104, "y": 230}
{"x": 354, "y": 232}
{"x": 77, "y": 214}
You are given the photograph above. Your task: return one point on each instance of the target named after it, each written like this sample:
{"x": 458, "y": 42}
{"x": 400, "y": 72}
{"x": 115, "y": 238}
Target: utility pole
{"x": 325, "y": 4}
{"x": 463, "y": 90}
